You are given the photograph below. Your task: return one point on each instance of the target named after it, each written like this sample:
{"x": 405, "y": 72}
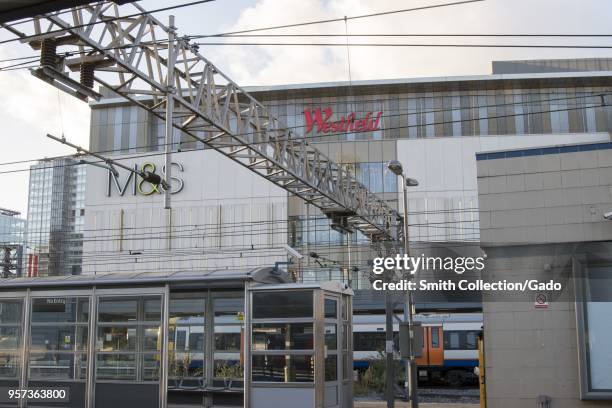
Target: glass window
{"x": 56, "y": 309}
{"x": 58, "y": 332}
{"x": 331, "y": 337}
{"x": 150, "y": 367}
{"x": 10, "y": 338}
{"x": 268, "y": 305}
{"x": 186, "y": 310}
{"x": 128, "y": 343}
{"x": 471, "y": 340}
{"x": 376, "y": 177}
{"x": 331, "y": 308}
{"x": 117, "y": 338}
{"x": 283, "y": 368}
{"x": 152, "y": 310}
{"x": 331, "y": 368}
{"x": 180, "y": 340}
{"x": 389, "y": 181}
{"x": 369, "y": 341}
{"x": 228, "y": 338}
{"x": 116, "y": 366}
{"x": 347, "y": 368}
{"x": 196, "y": 341}
{"x": 229, "y": 310}
{"x": 597, "y": 326}
{"x": 453, "y": 342}
{"x": 186, "y": 343}
{"x": 51, "y": 365}
{"x": 117, "y": 310}
{"x": 186, "y": 359}
{"x": 280, "y": 336}
{"x": 435, "y": 337}
{"x": 52, "y": 337}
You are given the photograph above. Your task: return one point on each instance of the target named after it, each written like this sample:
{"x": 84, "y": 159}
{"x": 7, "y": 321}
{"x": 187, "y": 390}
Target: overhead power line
{"x": 333, "y": 20}
{"x": 417, "y": 35}
{"x": 111, "y": 19}
{"x": 271, "y": 44}
{"x": 244, "y": 31}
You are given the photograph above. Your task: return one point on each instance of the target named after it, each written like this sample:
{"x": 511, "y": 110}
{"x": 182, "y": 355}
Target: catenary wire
{"x": 271, "y": 44}
{"x": 111, "y": 19}
{"x": 332, "y": 20}
{"x": 250, "y": 30}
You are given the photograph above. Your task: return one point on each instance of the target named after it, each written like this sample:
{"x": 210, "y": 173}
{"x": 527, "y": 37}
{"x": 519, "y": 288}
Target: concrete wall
{"x": 538, "y": 209}
{"x": 552, "y": 197}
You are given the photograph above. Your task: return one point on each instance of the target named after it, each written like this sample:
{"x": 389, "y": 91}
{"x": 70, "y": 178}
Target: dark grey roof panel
{"x": 231, "y": 277}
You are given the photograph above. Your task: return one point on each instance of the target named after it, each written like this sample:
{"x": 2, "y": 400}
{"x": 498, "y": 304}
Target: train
{"x": 449, "y": 355}
{"x": 450, "y": 345}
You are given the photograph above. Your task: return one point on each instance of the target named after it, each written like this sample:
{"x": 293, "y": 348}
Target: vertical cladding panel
{"x": 375, "y": 151}
{"x": 361, "y": 153}
{"x": 133, "y": 126}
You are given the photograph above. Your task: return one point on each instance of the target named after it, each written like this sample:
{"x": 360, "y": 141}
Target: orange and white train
{"x": 450, "y": 345}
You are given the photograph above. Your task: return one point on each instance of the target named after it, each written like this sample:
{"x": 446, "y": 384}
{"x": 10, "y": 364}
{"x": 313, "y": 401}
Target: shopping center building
{"x": 224, "y": 216}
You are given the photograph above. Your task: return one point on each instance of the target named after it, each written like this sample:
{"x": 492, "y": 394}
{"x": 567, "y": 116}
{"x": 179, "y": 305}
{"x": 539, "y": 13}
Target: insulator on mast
{"x": 48, "y": 52}
{"x": 87, "y": 74}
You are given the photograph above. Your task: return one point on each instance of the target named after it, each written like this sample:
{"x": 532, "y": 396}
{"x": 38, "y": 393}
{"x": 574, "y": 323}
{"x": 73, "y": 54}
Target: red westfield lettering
{"x": 349, "y": 123}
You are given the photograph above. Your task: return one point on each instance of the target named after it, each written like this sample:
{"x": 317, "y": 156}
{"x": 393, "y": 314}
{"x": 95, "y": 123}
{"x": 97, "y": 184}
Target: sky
{"x": 30, "y": 108}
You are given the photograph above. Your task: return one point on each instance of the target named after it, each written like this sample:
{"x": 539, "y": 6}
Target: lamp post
{"x": 411, "y": 372}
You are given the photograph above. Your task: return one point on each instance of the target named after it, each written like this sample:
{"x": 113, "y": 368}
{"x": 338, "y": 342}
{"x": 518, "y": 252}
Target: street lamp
{"x": 397, "y": 168}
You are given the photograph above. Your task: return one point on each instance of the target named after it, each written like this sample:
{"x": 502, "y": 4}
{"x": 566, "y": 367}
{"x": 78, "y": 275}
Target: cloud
{"x": 292, "y": 64}
{"x": 29, "y": 109}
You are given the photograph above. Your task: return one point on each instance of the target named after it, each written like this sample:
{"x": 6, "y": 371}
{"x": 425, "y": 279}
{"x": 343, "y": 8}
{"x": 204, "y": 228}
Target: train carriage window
{"x": 471, "y": 340}
{"x": 454, "y": 340}
{"x": 196, "y": 341}
{"x": 435, "y": 337}
{"x": 181, "y": 336}
{"x": 461, "y": 340}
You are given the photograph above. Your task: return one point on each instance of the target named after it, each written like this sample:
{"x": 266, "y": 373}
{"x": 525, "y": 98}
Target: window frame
{"x": 580, "y": 274}
{"x": 140, "y": 324}
{"x": 78, "y": 326}
{"x": 286, "y": 352}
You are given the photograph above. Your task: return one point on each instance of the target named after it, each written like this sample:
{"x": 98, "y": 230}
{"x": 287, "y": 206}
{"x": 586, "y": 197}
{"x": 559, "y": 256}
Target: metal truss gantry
{"x": 134, "y": 54}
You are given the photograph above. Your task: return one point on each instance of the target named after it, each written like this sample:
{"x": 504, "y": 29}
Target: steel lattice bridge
{"x": 129, "y": 51}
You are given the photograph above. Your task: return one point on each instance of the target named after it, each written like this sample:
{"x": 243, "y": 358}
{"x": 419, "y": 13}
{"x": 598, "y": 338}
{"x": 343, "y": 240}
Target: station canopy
{"x": 222, "y": 278}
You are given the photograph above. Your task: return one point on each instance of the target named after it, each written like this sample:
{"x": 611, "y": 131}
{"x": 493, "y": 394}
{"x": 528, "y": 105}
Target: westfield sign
{"x": 321, "y": 119}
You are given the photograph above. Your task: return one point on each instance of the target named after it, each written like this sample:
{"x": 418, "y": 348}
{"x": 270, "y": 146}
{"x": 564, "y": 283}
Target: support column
{"x": 25, "y": 349}
{"x": 170, "y": 90}
{"x": 91, "y": 349}
{"x": 163, "y": 386}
